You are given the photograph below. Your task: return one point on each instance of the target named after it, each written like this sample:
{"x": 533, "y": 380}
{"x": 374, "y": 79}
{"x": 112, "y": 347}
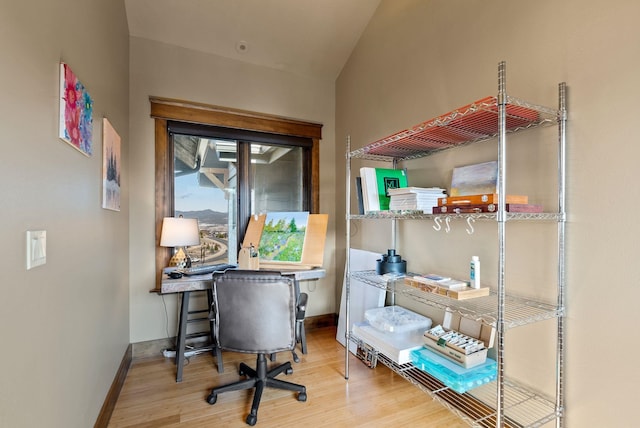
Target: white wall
{"x": 168, "y": 71}
{"x": 64, "y": 325}
{"x": 419, "y": 59}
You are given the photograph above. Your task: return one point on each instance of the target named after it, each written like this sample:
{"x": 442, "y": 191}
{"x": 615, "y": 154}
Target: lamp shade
{"x": 179, "y": 232}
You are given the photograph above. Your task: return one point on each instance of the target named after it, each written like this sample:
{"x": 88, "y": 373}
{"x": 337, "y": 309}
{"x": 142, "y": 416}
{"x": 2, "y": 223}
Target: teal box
{"x": 452, "y": 375}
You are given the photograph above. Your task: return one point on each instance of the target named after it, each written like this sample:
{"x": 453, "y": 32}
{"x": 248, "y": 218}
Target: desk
{"x": 198, "y": 283}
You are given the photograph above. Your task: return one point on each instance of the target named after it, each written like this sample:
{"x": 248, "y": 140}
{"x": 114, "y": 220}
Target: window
{"x": 207, "y": 167}
{"x": 221, "y": 166}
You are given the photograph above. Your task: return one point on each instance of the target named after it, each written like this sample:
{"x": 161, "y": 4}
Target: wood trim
{"x": 315, "y": 177}
{"x": 114, "y": 392}
{"x": 320, "y": 321}
{"x": 170, "y": 109}
{"x": 164, "y": 192}
{"x": 165, "y": 109}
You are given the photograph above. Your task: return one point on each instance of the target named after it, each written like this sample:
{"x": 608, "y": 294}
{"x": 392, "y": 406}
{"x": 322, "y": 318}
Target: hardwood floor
{"x": 372, "y": 398}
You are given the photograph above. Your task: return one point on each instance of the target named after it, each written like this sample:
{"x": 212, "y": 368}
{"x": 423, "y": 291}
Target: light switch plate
{"x": 36, "y": 248}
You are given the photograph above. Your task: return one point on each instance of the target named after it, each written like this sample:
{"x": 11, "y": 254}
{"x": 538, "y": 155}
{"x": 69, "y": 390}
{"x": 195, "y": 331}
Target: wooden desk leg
{"x": 182, "y": 335}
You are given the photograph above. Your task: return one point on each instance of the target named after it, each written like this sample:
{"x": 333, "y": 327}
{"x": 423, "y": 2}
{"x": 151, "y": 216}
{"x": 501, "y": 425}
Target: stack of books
{"x": 374, "y": 187}
{"x": 415, "y": 198}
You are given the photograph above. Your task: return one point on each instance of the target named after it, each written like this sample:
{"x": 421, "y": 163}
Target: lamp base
{"x": 180, "y": 259}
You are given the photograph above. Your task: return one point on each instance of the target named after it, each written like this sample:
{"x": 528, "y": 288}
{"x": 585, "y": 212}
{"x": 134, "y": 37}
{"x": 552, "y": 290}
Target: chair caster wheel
{"x": 212, "y": 398}
{"x": 251, "y": 420}
{"x": 288, "y": 371}
{"x": 302, "y": 396}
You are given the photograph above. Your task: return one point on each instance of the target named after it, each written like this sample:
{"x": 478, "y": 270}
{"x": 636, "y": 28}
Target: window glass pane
{"x": 205, "y": 184}
{"x": 278, "y": 178}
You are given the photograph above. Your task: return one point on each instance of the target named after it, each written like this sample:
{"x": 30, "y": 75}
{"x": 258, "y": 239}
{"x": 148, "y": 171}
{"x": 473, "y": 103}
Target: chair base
{"x": 259, "y": 379}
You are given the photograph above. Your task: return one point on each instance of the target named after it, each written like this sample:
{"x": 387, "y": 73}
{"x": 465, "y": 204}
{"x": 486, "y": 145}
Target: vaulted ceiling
{"x": 308, "y": 37}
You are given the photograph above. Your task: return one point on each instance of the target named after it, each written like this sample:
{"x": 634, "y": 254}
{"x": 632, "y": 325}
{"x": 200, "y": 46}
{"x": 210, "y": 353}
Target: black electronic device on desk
{"x": 205, "y": 269}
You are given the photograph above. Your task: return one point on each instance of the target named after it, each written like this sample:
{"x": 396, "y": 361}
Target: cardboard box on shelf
{"x": 465, "y": 356}
{"x": 435, "y": 287}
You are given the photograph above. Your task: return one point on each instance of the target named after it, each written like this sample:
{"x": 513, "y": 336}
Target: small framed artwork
{"x": 76, "y": 112}
{"x": 110, "y": 167}
{"x": 476, "y": 179}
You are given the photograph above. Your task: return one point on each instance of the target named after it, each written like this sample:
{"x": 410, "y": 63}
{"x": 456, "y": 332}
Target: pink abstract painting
{"x": 76, "y": 111}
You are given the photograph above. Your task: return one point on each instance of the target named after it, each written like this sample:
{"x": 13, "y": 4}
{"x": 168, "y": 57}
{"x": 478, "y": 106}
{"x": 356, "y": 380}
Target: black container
{"x": 391, "y": 263}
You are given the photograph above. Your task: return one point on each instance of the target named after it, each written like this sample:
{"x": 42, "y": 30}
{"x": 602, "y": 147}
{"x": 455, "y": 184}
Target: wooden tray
{"x": 468, "y": 293}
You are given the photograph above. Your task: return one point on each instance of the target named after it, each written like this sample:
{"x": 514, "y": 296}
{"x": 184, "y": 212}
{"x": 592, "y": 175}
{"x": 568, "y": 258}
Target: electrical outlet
{"x": 36, "y": 248}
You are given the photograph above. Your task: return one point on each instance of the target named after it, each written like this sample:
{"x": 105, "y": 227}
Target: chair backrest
{"x": 254, "y": 311}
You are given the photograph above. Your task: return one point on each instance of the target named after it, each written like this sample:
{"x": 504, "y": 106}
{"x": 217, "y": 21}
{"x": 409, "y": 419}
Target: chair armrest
{"x": 302, "y": 305}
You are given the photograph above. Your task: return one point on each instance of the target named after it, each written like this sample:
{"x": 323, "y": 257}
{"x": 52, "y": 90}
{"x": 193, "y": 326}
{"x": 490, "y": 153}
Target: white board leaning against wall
{"x": 362, "y": 296}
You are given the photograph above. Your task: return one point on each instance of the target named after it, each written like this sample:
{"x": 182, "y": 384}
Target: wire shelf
{"x": 420, "y": 215}
{"x": 518, "y": 311}
{"x": 472, "y": 123}
{"x": 523, "y": 407}
{"x": 502, "y": 402}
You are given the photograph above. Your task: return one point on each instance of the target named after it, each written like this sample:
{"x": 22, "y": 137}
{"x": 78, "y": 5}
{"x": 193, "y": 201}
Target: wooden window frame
{"x": 164, "y": 110}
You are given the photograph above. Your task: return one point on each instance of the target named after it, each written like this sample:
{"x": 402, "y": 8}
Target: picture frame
{"x": 111, "y": 161}
{"x": 76, "y": 112}
{"x": 480, "y": 178}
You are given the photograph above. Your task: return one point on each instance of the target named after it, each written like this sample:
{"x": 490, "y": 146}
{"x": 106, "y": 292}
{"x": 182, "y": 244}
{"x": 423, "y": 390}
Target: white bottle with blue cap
{"x": 474, "y": 272}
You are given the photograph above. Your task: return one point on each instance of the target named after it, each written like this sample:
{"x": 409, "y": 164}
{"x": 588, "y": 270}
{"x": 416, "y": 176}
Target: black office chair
{"x": 301, "y": 338}
{"x": 255, "y": 312}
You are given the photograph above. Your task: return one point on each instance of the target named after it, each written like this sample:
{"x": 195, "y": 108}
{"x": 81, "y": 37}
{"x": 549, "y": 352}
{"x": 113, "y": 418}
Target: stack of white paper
{"x": 415, "y": 198}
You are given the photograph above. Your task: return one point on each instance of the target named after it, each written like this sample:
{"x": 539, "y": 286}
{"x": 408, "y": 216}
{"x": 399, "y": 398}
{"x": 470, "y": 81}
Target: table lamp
{"x": 179, "y": 233}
